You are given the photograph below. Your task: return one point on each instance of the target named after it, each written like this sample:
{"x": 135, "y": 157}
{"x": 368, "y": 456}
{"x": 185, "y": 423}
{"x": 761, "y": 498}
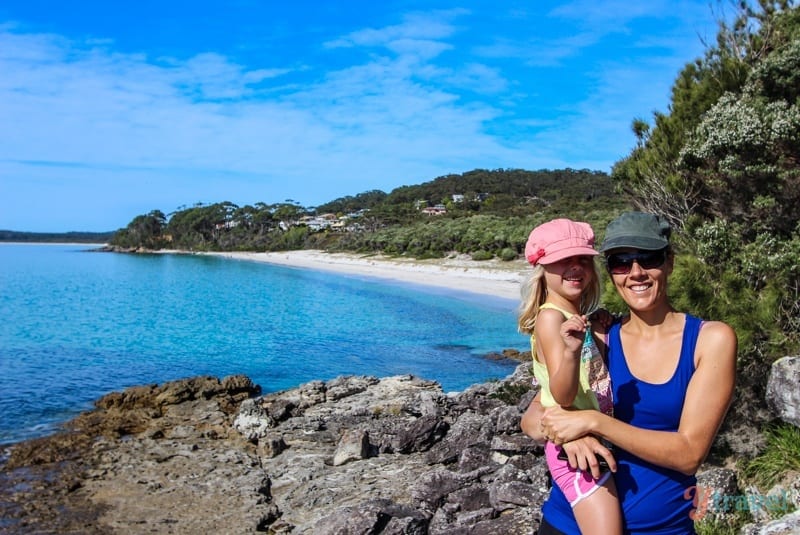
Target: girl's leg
{"x": 594, "y": 502}
{"x": 600, "y": 513}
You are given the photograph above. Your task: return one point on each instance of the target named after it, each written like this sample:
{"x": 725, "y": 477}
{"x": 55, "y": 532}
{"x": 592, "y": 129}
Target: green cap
{"x": 637, "y": 230}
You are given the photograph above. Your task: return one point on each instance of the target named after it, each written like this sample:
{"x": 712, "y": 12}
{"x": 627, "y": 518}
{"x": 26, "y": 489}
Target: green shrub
{"x": 781, "y": 456}
{"x": 480, "y": 254}
{"x": 510, "y": 393}
{"x": 508, "y": 254}
{"x": 729, "y": 524}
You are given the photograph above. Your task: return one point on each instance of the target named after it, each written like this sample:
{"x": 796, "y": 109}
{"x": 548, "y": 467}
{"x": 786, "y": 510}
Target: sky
{"x": 109, "y": 110}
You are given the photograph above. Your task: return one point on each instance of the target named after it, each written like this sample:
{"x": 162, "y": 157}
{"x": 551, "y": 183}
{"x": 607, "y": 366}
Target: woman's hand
{"x": 583, "y": 454}
{"x": 560, "y": 425}
{"x": 602, "y": 319}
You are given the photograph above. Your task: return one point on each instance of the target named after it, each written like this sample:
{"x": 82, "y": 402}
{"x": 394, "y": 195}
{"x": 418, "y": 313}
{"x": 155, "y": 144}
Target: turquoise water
{"x": 75, "y": 325}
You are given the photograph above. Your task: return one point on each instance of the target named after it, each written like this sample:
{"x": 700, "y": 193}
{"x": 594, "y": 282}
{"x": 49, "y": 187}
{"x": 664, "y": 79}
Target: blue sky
{"x": 109, "y": 110}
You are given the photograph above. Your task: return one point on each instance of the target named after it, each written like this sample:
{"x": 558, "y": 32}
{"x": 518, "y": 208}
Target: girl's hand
{"x": 583, "y": 453}
{"x": 573, "y": 332}
{"x": 561, "y": 425}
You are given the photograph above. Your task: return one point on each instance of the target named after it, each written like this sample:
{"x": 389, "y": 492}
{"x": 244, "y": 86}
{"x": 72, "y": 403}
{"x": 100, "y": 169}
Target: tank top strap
{"x": 615, "y": 358}
{"x": 691, "y": 330}
{"x": 567, "y": 315}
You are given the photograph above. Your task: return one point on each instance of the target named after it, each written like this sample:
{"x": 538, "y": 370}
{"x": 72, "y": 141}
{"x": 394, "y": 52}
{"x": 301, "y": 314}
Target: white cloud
{"x": 415, "y": 27}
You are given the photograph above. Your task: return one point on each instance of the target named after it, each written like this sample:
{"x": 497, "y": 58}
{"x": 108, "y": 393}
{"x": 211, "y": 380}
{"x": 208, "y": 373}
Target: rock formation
{"x": 348, "y": 456}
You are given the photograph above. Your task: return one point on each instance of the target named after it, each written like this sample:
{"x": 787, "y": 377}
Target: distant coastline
{"x": 85, "y": 238}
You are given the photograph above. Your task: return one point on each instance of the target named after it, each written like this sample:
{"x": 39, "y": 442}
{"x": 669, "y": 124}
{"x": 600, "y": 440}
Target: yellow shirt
{"x": 585, "y": 398}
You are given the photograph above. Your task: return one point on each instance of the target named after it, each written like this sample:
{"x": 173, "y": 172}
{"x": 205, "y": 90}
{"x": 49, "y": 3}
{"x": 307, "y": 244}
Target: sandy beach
{"x": 491, "y": 277}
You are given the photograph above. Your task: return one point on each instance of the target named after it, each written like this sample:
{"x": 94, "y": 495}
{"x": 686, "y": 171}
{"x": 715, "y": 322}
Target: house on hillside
{"x": 226, "y": 225}
{"x": 439, "y": 209}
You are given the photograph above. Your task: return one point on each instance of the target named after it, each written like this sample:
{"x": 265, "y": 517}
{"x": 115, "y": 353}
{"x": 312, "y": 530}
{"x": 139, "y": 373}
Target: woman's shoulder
{"x": 717, "y": 339}
{"x": 712, "y": 331}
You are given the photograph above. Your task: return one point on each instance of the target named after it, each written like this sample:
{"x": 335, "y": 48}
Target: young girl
{"x": 557, "y": 300}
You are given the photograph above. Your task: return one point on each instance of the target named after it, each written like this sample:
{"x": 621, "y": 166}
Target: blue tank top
{"x": 652, "y": 498}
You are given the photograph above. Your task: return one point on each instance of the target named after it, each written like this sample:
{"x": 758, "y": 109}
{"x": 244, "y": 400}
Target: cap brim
{"x": 566, "y": 253}
{"x": 633, "y": 242}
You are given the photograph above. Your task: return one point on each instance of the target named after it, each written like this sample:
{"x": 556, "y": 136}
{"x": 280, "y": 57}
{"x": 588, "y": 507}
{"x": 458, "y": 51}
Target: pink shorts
{"x": 573, "y": 482}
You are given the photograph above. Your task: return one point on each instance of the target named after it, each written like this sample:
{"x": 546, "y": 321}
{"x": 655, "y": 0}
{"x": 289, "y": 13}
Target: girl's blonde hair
{"x": 534, "y": 294}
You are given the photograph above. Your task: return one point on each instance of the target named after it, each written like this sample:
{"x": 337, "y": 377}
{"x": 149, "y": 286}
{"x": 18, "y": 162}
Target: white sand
{"x": 492, "y": 277}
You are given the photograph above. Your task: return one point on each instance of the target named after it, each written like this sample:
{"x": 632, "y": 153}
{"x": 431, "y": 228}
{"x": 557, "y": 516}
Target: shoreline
{"x": 489, "y": 277}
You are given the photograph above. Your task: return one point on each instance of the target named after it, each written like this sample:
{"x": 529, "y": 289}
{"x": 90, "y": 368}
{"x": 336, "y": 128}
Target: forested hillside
{"x": 481, "y": 212}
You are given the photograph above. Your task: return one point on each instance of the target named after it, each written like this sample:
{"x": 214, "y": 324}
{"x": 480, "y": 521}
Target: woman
{"x": 672, "y": 379}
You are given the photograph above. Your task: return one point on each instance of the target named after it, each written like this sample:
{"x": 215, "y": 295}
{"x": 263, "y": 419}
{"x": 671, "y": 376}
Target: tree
{"x": 723, "y": 167}
{"x": 143, "y": 231}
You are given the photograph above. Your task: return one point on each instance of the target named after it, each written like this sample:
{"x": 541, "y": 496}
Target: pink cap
{"x": 559, "y": 239}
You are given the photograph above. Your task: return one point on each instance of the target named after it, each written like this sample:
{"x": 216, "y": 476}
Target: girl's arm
{"x": 706, "y": 402}
{"x": 560, "y": 343}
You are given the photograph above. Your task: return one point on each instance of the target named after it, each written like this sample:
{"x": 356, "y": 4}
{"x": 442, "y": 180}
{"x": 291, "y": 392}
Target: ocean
{"x": 75, "y": 325}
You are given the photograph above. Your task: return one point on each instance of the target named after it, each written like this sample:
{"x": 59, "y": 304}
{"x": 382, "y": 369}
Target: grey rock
{"x": 469, "y": 429}
{"x": 786, "y": 525}
{"x": 343, "y": 387}
{"x": 475, "y": 457}
{"x": 710, "y": 496}
{"x": 418, "y": 435}
{"x": 756, "y": 501}
{"x": 507, "y": 495}
{"x": 507, "y": 420}
{"x": 374, "y": 516}
{"x": 353, "y": 446}
{"x": 252, "y": 420}
{"x": 783, "y": 394}
{"x": 271, "y": 446}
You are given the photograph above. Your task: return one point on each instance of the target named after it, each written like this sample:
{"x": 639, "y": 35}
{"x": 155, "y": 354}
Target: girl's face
{"x": 570, "y": 277}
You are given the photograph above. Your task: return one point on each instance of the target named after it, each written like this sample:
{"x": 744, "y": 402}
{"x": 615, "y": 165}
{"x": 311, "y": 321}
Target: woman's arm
{"x": 706, "y": 402}
{"x": 582, "y": 452}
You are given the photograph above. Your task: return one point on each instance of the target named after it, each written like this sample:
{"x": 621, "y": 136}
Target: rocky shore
{"x": 348, "y": 456}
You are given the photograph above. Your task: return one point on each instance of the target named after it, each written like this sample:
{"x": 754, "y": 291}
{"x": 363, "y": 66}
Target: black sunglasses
{"x": 621, "y": 263}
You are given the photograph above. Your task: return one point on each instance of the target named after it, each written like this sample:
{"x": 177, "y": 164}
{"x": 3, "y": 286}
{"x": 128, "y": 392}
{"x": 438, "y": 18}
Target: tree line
{"x": 489, "y": 213}
{"x": 55, "y": 237}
